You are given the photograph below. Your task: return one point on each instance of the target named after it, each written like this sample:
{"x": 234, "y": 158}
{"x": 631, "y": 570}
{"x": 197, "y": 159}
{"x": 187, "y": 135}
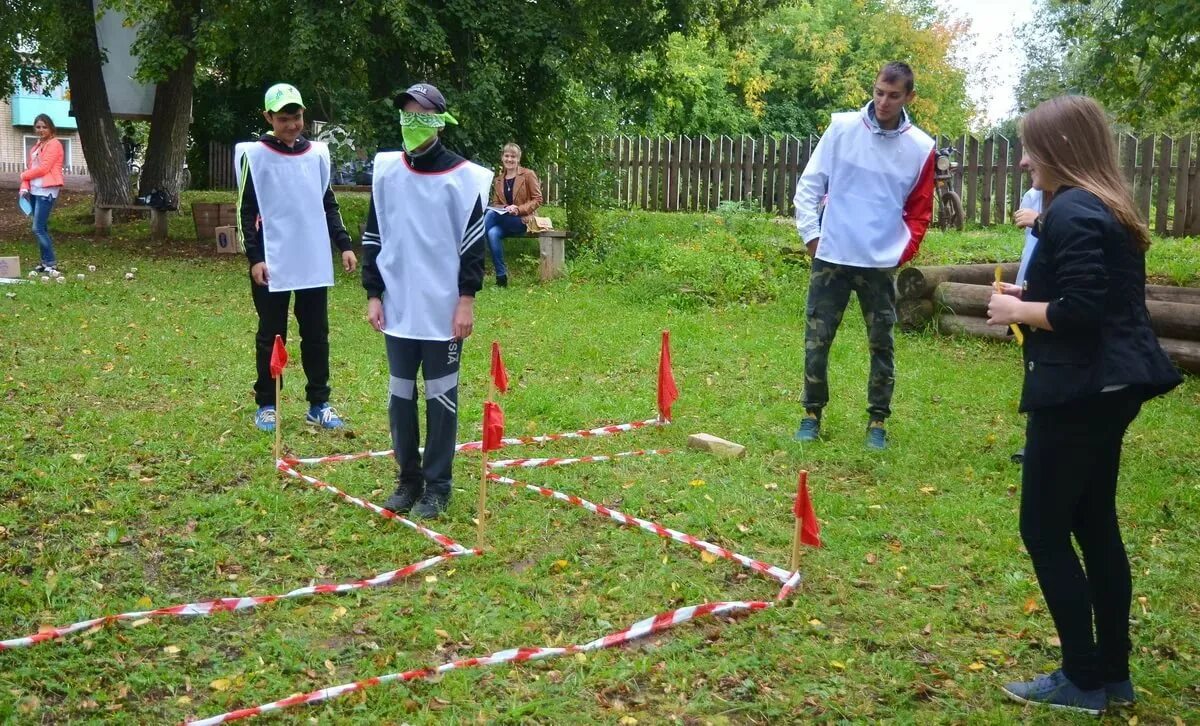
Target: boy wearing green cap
{"x": 422, "y": 265}
{"x": 287, "y": 216}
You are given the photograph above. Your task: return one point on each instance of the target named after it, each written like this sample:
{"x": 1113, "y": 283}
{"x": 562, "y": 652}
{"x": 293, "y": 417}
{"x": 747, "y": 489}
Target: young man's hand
{"x": 1025, "y": 217}
{"x": 812, "y": 246}
{"x": 349, "y": 261}
{"x": 464, "y": 317}
{"x": 375, "y": 313}
{"x": 259, "y": 274}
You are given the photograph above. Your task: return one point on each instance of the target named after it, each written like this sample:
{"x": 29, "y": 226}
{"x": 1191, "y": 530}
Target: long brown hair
{"x": 1070, "y": 139}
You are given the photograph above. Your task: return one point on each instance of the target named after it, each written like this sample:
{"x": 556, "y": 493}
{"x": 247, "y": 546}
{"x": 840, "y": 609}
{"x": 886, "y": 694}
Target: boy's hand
{"x": 811, "y": 246}
{"x": 259, "y": 274}
{"x": 1005, "y": 288}
{"x": 375, "y": 313}
{"x": 349, "y": 261}
{"x": 1025, "y": 217}
{"x": 1003, "y": 309}
{"x": 464, "y": 317}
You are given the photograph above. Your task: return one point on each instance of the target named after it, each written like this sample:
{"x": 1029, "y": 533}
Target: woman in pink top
{"x": 41, "y": 183}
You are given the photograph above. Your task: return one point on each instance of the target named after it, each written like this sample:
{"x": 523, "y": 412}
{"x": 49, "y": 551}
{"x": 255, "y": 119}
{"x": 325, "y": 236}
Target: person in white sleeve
{"x": 874, "y": 169}
{"x": 287, "y": 216}
{"x": 422, "y": 265}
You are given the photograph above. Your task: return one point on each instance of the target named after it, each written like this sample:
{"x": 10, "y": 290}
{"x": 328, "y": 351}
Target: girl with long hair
{"x": 40, "y": 184}
{"x": 1091, "y": 360}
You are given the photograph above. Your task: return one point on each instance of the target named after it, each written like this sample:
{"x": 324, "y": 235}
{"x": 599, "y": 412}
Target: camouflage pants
{"x": 828, "y": 295}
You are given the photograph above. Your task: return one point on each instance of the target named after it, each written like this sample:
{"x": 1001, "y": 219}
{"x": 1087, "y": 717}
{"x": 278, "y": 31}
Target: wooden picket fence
{"x": 698, "y": 173}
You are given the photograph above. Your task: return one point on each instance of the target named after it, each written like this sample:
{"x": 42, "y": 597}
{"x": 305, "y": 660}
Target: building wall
{"x": 13, "y": 141}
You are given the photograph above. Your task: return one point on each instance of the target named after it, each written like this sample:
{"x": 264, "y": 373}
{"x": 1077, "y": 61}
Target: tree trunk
{"x": 914, "y": 314}
{"x": 171, "y": 118}
{"x": 1168, "y": 319}
{"x": 1171, "y": 293}
{"x": 916, "y": 282}
{"x": 98, "y": 134}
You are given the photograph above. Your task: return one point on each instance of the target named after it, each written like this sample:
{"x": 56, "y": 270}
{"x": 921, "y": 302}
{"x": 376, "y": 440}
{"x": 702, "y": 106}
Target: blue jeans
{"x": 498, "y": 227}
{"x": 41, "y": 218}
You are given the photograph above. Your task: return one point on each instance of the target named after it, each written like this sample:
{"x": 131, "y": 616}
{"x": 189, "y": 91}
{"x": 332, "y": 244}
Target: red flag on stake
{"x": 667, "y": 392}
{"x": 499, "y": 375}
{"x": 493, "y": 426}
{"x": 810, "y": 529}
{"x": 278, "y": 358}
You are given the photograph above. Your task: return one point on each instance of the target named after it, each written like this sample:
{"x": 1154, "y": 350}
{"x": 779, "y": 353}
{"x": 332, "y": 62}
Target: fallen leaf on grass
{"x": 707, "y": 557}
{"x": 329, "y": 666}
{"x": 1031, "y": 606}
{"x": 837, "y": 664}
{"x": 441, "y": 634}
{"x": 770, "y": 486}
{"x": 628, "y": 721}
{"x": 144, "y": 601}
{"x": 928, "y": 490}
{"x": 220, "y": 684}
{"x": 976, "y": 666}
{"x": 139, "y": 622}
{"x": 339, "y": 613}
{"x": 697, "y": 482}
{"x": 871, "y": 558}
{"x": 561, "y": 565}
{"x": 171, "y": 649}
{"x": 183, "y": 700}
{"x": 431, "y": 579}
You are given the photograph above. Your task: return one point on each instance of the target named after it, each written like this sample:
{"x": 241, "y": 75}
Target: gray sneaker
{"x": 431, "y": 505}
{"x": 1057, "y": 691}
{"x": 405, "y": 496}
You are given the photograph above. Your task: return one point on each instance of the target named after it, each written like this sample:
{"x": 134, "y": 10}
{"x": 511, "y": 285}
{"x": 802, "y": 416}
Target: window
{"x": 66, "y": 142}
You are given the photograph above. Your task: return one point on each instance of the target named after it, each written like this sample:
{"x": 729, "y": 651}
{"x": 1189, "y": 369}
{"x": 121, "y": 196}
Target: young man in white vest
{"x": 875, "y": 171}
{"x": 287, "y": 216}
{"x": 422, "y": 265}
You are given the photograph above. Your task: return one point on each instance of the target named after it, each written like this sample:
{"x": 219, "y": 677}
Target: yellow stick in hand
{"x": 1016, "y": 329}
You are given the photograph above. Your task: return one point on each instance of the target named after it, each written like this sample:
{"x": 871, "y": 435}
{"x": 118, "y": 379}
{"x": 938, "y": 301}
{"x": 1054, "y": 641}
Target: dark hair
{"x": 898, "y": 71}
{"x": 44, "y": 118}
{"x": 289, "y": 109}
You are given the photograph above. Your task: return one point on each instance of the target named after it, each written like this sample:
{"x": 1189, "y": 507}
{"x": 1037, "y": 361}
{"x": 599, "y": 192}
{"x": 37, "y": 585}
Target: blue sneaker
{"x": 810, "y": 428}
{"x": 323, "y": 415}
{"x": 264, "y": 419}
{"x": 1057, "y": 691}
{"x": 876, "y": 435}
{"x": 1120, "y": 693}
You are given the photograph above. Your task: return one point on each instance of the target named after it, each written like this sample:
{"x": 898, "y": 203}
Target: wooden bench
{"x": 104, "y": 213}
{"x": 552, "y": 252}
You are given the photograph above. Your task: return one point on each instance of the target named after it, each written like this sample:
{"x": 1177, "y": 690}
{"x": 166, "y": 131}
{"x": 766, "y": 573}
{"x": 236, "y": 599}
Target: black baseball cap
{"x": 427, "y": 95}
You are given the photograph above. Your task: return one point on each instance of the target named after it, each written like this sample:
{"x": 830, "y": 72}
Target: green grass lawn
{"x": 131, "y": 475}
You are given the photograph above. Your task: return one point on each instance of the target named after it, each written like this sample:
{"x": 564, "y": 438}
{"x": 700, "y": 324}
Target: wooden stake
{"x": 796, "y": 545}
{"x": 481, "y": 515}
{"x": 278, "y": 431}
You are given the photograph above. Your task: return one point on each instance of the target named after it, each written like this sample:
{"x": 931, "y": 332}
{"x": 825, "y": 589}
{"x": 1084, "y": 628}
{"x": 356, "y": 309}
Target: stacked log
{"x": 956, "y": 297}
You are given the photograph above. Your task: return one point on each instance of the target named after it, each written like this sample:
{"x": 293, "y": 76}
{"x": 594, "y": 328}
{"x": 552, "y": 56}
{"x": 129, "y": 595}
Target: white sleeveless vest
{"x": 423, "y": 219}
{"x": 291, "y": 192}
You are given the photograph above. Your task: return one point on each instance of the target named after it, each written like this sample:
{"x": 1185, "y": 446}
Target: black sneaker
{"x": 405, "y": 496}
{"x": 501, "y": 280}
{"x": 431, "y": 505}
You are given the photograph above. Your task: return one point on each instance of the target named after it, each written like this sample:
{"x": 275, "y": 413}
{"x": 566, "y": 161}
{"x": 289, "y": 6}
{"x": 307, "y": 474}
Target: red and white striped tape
{"x": 510, "y": 441}
{"x": 641, "y": 629}
{"x": 534, "y": 463}
{"x": 441, "y": 539}
{"x": 790, "y": 586}
{"x": 776, "y": 572}
{"x": 229, "y": 604}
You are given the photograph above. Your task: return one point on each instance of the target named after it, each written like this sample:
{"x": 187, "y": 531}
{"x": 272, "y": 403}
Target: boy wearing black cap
{"x": 287, "y": 215}
{"x": 422, "y": 265}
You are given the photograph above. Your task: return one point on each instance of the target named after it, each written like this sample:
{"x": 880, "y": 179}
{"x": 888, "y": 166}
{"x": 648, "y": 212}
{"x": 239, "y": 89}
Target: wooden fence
{"x": 698, "y": 173}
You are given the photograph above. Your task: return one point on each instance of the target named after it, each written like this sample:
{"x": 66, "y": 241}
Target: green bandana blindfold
{"x": 418, "y": 128}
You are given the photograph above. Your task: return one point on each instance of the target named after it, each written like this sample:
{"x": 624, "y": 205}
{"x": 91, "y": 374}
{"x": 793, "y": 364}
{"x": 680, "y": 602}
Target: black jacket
{"x": 1093, "y": 277}
{"x": 470, "y": 269}
{"x": 248, "y": 206}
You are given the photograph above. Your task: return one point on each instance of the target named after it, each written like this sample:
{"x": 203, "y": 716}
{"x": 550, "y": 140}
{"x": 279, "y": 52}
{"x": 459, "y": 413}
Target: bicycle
{"x": 950, "y": 208}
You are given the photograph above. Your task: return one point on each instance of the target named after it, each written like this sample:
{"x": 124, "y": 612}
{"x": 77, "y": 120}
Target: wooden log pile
{"x": 955, "y": 297}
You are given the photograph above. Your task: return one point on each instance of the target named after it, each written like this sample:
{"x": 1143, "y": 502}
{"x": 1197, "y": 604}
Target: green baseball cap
{"x": 280, "y": 95}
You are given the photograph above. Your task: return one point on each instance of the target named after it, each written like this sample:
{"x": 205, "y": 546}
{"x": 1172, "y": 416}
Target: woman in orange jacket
{"x": 41, "y": 183}
{"x": 516, "y": 195}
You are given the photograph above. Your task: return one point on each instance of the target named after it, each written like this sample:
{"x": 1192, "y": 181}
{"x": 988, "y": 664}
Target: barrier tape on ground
{"x": 533, "y": 463}
{"x": 789, "y": 587}
{"x": 441, "y": 539}
{"x": 510, "y": 441}
{"x": 777, "y": 572}
{"x": 641, "y": 629}
{"x": 229, "y": 604}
